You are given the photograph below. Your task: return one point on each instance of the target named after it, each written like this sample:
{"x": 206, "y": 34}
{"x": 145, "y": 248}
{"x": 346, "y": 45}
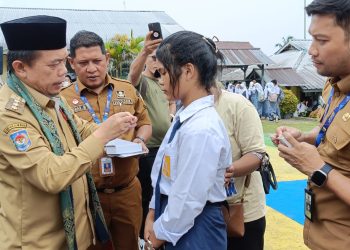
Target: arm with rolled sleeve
{"x": 44, "y": 169}
{"x": 248, "y": 130}
{"x": 197, "y": 172}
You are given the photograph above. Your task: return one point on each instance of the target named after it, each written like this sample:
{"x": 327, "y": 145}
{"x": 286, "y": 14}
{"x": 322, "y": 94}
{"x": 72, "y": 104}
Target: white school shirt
{"x": 199, "y": 155}
{"x": 267, "y": 89}
{"x": 275, "y": 89}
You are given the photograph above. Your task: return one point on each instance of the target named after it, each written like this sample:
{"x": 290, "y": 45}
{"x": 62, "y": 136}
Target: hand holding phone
{"x": 284, "y": 141}
{"x": 157, "y": 31}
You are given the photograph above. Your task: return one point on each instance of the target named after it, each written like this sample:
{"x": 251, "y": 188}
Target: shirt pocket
{"x": 338, "y": 133}
{"x": 123, "y": 105}
{"x": 169, "y": 168}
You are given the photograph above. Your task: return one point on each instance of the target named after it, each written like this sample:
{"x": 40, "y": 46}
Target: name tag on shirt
{"x": 166, "y": 168}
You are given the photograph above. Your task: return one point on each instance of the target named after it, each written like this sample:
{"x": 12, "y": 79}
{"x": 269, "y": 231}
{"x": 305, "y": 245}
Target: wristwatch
{"x": 140, "y": 138}
{"x": 319, "y": 177}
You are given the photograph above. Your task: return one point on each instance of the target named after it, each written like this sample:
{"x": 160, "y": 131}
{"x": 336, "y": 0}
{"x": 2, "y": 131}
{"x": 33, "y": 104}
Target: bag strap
{"x": 246, "y": 185}
{"x": 272, "y": 178}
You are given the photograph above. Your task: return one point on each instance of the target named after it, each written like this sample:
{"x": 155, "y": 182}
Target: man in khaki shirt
{"x": 327, "y": 203}
{"x": 119, "y": 190}
{"x": 40, "y": 158}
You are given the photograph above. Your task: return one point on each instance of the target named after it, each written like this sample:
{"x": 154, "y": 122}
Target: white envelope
{"x": 122, "y": 148}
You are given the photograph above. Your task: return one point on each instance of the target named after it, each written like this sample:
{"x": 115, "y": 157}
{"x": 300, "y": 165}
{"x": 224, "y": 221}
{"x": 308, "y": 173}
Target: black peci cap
{"x": 35, "y": 33}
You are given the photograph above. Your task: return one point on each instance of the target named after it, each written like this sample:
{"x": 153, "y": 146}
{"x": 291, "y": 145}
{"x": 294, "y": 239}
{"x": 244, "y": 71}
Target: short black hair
{"x": 26, "y": 56}
{"x": 274, "y": 81}
{"x": 185, "y": 47}
{"x": 85, "y": 39}
{"x": 340, "y": 9}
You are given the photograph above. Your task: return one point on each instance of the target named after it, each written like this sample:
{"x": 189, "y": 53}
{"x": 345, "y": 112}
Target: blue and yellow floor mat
{"x": 285, "y": 206}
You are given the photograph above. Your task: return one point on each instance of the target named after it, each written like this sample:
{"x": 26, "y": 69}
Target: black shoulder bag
{"x": 267, "y": 174}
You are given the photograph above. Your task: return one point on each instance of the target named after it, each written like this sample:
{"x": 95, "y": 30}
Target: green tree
{"x": 123, "y": 49}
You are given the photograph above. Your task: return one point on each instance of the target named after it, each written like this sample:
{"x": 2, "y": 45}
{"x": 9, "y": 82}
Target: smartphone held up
{"x": 157, "y": 31}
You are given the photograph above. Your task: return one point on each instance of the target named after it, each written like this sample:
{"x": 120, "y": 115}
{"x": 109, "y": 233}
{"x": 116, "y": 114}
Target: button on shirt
{"x": 197, "y": 159}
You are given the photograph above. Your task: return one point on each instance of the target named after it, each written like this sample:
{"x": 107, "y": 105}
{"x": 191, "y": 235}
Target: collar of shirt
{"x": 83, "y": 88}
{"x": 194, "y": 107}
{"x": 40, "y": 98}
{"x": 341, "y": 85}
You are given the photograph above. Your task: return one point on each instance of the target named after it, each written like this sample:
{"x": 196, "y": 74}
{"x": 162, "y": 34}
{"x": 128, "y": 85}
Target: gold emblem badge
{"x": 120, "y": 94}
{"x": 346, "y": 117}
{"x": 15, "y": 104}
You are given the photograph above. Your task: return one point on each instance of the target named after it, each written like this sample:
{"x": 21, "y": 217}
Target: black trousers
{"x": 253, "y": 238}
{"x": 144, "y": 175}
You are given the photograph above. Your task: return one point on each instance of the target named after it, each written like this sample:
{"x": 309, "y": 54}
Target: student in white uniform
{"x": 188, "y": 173}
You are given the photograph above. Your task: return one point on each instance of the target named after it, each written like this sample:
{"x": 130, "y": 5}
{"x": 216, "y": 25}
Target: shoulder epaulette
{"x": 16, "y": 104}
{"x": 120, "y": 80}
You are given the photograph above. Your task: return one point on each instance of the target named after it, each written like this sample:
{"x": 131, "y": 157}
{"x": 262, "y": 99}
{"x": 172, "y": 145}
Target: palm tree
{"x": 122, "y": 50}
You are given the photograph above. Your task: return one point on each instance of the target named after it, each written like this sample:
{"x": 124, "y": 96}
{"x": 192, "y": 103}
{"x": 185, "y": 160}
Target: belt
{"x": 208, "y": 203}
{"x": 111, "y": 190}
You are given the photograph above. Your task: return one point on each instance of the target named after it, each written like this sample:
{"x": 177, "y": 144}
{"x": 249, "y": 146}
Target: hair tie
{"x": 213, "y": 46}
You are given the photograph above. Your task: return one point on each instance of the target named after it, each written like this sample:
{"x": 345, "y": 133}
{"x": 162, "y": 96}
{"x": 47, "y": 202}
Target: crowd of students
{"x": 265, "y": 99}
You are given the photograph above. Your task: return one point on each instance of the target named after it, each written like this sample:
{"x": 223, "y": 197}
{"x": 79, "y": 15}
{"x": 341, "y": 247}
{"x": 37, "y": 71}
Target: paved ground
{"x": 285, "y": 211}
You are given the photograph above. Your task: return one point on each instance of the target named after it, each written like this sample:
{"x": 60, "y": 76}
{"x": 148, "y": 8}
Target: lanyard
{"x": 322, "y": 133}
{"x": 91, "y": 110}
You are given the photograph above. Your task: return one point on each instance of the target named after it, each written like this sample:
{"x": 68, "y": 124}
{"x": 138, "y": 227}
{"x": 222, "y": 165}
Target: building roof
{"x": 284, "y": 76}
{"x": 295, "y": 44}
{"x": 242, "y": 54}
{"x": 294, "y": 54}
{"x": 106, "y": 23}
{"x": 232, "y": 74}
{"x": 313, "y": 81}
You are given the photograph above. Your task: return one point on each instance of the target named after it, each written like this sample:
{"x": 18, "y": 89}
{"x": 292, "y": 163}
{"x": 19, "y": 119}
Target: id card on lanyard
{"x": 321, "y": 135}
{"x": 309, "y": 201}
{"x": 106, "y": 167}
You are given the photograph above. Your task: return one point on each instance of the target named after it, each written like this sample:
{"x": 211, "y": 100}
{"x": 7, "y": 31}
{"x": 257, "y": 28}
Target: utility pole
{"x": 304, "y": 20}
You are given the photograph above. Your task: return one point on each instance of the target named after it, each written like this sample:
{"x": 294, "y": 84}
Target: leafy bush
{"x": 289, "y": 103}
{"x": 123, "y": 50}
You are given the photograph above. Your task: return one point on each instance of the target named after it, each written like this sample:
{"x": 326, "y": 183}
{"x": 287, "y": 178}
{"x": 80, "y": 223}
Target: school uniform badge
{"x": 21, "y": 140}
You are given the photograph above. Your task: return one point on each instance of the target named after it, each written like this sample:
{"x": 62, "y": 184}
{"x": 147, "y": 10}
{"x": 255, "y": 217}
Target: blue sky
{"x": 261, "y": 22}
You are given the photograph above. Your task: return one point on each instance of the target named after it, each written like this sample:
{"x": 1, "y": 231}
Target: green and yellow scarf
{"x": 66, "y": 196}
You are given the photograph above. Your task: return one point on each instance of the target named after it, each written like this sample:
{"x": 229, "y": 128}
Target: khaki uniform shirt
{"x": 31, "y": 177}
{"x": 158, "y": 109}
{"x": 124, "y": 98}
{"x": 331, "y": 225}
{"x": 245, "y": 131}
